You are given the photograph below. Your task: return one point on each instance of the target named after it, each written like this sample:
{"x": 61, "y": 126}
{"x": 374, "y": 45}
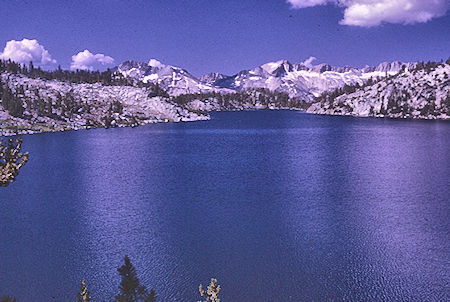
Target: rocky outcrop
{"x": 421, "y": 94}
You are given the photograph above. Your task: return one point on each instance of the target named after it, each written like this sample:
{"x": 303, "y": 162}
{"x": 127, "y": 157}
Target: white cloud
{"x": 308, "y": 62}
{"x": 85, "y": 60}
{"x": 154, "y": 63}
{"x": 369, "y": 13}
{"x": 307, "y": 3}
{"x": 372, "y": 13}
{"x": 25, "y": 51}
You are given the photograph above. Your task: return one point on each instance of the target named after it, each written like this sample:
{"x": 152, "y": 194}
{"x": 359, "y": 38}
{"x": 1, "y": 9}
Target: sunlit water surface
{"x": 277, "y": 205}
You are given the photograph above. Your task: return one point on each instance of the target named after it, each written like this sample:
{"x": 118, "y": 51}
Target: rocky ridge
{"x": 422, "y": 93}
{"x": 296, "y": 80}
{"x": 56, "y": 106}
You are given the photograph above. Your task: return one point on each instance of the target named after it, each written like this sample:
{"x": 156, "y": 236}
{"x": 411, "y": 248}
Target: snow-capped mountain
{"x": 299, "y": 80}
{"x": 173, "y": 79}
{"x": 423, "y": 93}
{"x": 30, "y": 103}
{"x": 390, "y": 67}
{"x": 211, "y": 78}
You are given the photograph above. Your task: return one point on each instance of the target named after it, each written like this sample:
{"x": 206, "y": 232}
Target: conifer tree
{"x": 212, "y": 292}
{"x": 11, "y": 160}
{"x": 130, "y": 289}
{"x": 1, "y": 88}
{"x": 83, "y": 295}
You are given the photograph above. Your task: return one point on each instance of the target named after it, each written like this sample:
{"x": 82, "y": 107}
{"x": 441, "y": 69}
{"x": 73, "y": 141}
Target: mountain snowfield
{"x": 173, "y": 79}
{"x": 412, "y": 94}
{"x": 297, "y": 80}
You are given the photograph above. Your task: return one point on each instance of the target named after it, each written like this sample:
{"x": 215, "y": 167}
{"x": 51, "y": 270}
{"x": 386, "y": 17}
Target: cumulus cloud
{"x": 26, "y": 51}
{"x": 85, "y": 60}
{"x": 372, "y": 13}
{"x": 369, "y": 13}
{"x": 308, "y": 62}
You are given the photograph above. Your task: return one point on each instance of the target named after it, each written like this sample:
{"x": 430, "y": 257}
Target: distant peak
{"x": 274, "y": 66}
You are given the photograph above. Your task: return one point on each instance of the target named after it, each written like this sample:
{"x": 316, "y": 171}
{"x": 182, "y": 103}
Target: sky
{"x": 205, "y": 36}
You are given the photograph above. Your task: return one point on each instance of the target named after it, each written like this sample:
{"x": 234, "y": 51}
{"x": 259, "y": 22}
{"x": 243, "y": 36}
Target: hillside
{"x": 32, "y": 100}
{"x": 422, "y": 93}
{"x": 35, "y": 105}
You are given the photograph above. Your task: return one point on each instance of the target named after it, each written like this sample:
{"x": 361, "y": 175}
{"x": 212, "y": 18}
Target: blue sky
{"x": 228, "y": 36}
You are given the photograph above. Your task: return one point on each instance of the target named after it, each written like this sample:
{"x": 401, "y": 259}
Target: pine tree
{"x": 1, "y": 88}
{"x": 83, "y": 295}
{"x": 212, "y": 292}
{"x": 130, "y": 289}
{"x": 11, "y": 160}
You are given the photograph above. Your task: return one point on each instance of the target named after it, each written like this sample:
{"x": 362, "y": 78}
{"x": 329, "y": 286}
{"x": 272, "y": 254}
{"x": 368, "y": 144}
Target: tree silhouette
{"x": 130, "y": 289}
{"x": 11, "y": 160}
{"x": 83, "y": 295}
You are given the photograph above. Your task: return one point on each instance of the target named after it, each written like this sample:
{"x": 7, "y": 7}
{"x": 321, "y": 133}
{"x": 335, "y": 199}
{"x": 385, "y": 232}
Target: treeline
{"x": 10, "y": 101}
{"x": 78, "y": 76}
{"x": 131, "y": 290}
{"x": 15, "y": 101}
{"x": 108, "y": 77}
{"x": 430, "y": 66}
{"x": 330, "y": 96}
{"x": 261, "y": 96}
{"x": 61, "y": 106}
{"x": 64, "y": 106}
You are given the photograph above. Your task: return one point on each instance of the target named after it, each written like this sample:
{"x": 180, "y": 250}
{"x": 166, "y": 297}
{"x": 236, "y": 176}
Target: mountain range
{"x": 137, "y": 93}
{"x": 296, "y": 80}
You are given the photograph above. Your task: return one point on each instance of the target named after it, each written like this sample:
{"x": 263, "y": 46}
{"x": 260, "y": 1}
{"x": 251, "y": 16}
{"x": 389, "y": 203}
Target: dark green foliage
{"x": 262, "y": 97}
{"x": 107, "y": 120}
{"x": 130, "y": 288}
{"x": 116, "y": 107}
{"x": 1, "y": 88}
{"x": 79, "y": 76}
{"x": 330, "y": 96}
{"x": 12, "y": 102}
{"x": 157, "y": 91}
{"x": 11, "y": 160}
{"x": 107, "y": 77}
{"x": 396, "y": 103}
{"x": 428, "y": 66}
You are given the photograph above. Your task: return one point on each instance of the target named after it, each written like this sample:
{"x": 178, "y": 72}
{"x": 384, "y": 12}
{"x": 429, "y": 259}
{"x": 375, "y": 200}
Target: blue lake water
{"x": 277, "y": 205}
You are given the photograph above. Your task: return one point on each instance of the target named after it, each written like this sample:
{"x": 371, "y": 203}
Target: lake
{"x": 277, "y": 205}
